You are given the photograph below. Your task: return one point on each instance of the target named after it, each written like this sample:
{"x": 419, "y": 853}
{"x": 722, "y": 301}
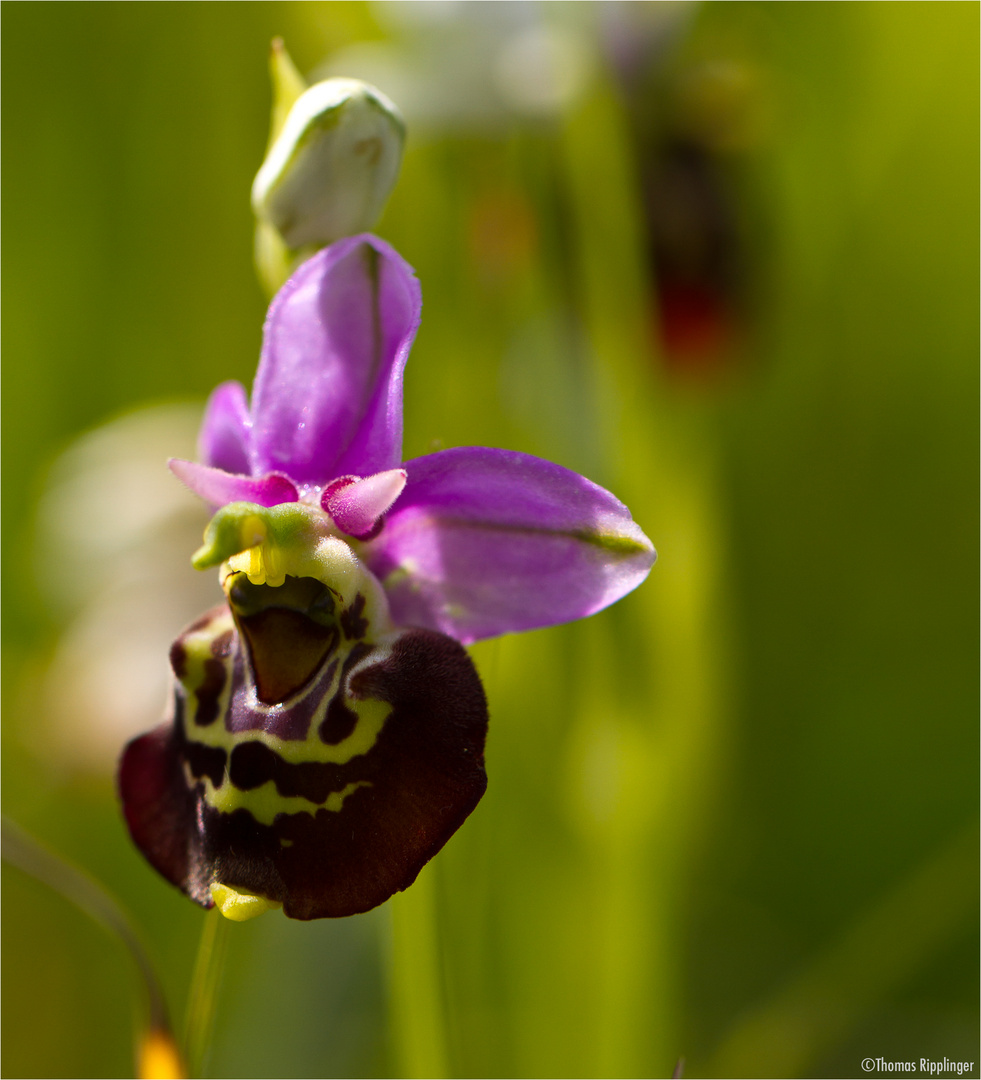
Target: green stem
{"x": 203, "y": 996}
{"x": 417, "y": 1000}
{"x": 20, "y": 849}
{"x": 661, "y": 736}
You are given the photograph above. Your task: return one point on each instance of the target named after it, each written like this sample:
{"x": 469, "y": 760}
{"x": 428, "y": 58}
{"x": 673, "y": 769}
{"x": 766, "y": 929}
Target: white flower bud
{"x": 331, "y": 168}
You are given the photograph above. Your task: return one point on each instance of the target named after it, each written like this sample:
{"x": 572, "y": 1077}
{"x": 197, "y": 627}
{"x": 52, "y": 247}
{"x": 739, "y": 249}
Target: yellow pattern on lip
{"x": 372, "y": 713}
{"x": 289, "y": 549}
{"x": 264, "y": 803}
{"x": 239, "y": 905}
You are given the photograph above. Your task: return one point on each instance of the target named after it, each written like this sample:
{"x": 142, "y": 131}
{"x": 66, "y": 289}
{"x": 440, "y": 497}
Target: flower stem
{"x": 20, "y": 849}
{"x": 417, "y": 1000}
{"x": 203, "y": 996}
{"x": 660, "y": 735}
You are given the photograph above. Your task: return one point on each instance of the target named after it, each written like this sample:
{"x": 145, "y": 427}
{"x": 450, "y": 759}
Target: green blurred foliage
{"x": 729, "y": 819}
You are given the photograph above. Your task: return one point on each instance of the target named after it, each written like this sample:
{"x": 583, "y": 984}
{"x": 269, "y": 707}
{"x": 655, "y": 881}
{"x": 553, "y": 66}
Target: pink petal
{"x": 218, "y": 487}
{"x": 357, "y": 505}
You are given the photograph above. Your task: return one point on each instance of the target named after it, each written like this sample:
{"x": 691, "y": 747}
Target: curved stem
{"x": 203, "y": 997}
{"x": 23, "y": 851}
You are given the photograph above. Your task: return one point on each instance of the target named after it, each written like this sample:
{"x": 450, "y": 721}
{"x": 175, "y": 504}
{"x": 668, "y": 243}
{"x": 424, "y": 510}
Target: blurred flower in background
{"x": 696, "y": 115}
{"x": 124, "y": 590}
{"x": 467, "y": 67}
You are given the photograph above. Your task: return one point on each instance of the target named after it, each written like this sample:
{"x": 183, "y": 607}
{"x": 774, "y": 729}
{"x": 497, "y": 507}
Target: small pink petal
{"x": 357, "y": 505}
{"x": 218, "y": 487}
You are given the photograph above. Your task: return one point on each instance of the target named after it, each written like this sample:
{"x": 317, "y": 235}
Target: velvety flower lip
{"x": 316, "y": 755}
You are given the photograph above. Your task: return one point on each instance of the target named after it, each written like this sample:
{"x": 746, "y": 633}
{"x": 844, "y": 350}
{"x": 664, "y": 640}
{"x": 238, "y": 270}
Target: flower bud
{"x": 331, "y": 168}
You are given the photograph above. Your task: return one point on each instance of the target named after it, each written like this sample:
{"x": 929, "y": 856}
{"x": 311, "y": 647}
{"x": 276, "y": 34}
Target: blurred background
{"x": 722, "y": 259}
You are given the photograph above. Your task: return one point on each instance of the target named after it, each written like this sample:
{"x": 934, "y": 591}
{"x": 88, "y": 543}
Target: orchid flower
{"x": 327, "y": 726}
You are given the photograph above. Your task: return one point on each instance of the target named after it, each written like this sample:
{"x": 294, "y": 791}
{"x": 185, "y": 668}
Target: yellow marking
{"x": 372, "y": 714}
{"x": 239, "y": 905}
{"x": 335, "y": 800}
{"x": 267, "y": 565}
{"x": 257, "y": 573}
{"x": 265, "y": 802}
{"x": 197, "y": 649}
{"x": 252, "y": 530}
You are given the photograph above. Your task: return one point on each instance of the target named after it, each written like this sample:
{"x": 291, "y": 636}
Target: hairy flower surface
{"x": 327, "y": 726}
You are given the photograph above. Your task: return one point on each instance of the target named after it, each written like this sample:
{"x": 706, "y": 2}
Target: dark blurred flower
{"x": 695, "y": 116}
{"x": 328, "y": 727}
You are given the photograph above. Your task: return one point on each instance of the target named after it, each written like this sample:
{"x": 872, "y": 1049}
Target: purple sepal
{"x": 484, "y": 542}
{"x": 327, "y": 399}
{"x": 224, "y": 438}
{"x": 218, "y": 487}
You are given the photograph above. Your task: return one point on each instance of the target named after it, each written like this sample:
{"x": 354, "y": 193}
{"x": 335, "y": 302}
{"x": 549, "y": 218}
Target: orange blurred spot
{"x": 159, "y": 1058}
{"x": 502, "y": 233}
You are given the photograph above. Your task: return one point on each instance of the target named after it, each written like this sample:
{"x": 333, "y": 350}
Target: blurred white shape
{"x": 115, "y": 533}
{"x": 474, "y": 65}
{"x": 110, "y": 490}
{"x": 409, "y": 14}
{"x": 542, "y": 69}
{"x": 381, "y": 65}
